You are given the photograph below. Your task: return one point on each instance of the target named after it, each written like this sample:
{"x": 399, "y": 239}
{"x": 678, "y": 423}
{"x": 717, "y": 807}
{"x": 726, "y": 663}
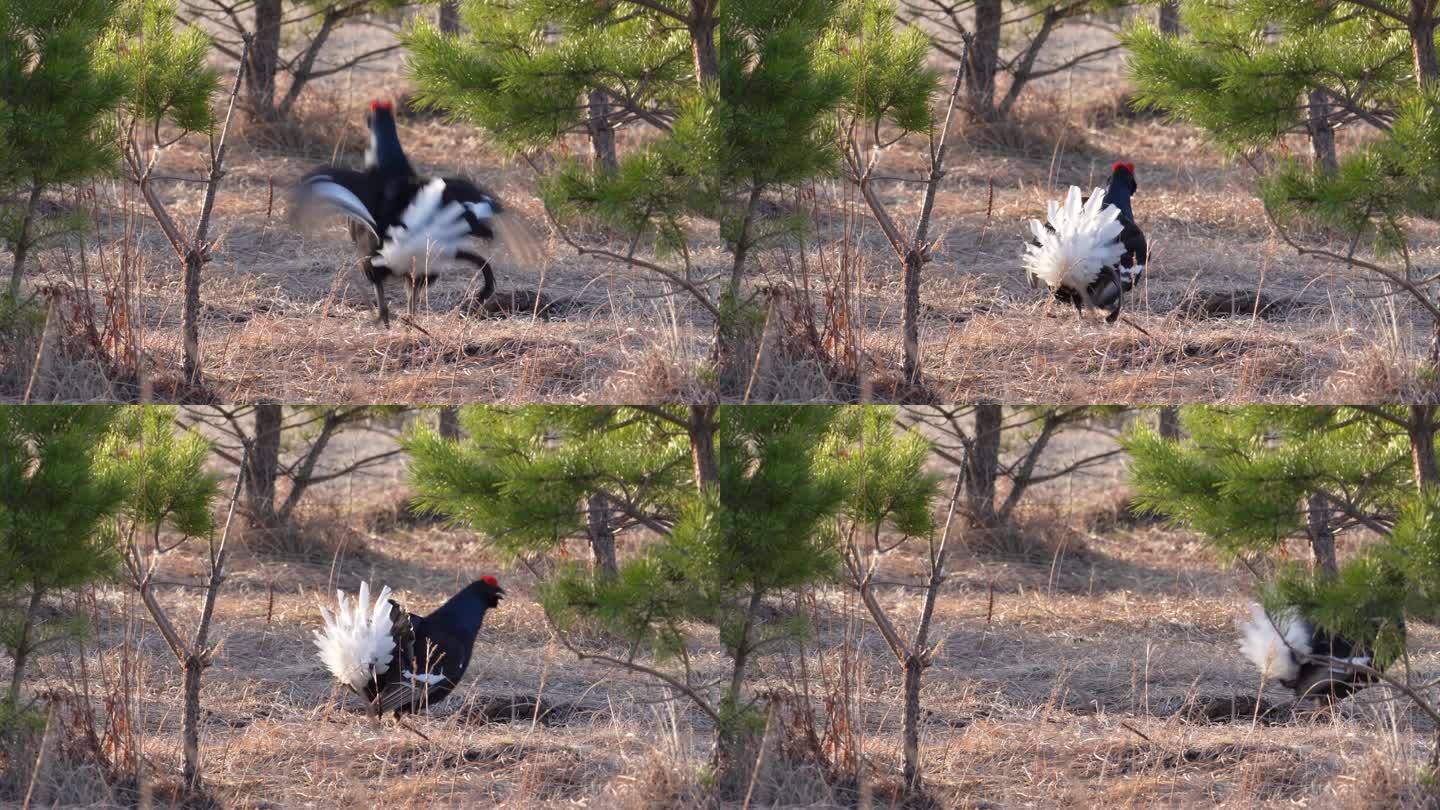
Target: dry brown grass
{"x": 1061, "y": 681}
{"x": 287, "y": 316}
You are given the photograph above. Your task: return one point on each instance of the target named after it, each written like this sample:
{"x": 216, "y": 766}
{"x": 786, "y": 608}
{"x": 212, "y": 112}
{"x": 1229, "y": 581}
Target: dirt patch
{"x": 527, "y": 709}
{"x": 1207, "y": 304}
{"x": 1237, "y": 709}
{"x": 528, "y": 303}
{"x": 425, "y": 758}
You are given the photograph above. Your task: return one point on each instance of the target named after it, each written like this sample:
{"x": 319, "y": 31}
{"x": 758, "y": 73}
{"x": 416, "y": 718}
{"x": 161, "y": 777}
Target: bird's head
{"x": 384, "y": 147}
{"x": 380, "y": 108}
{"x": 1123, "y": 173}
{"x": 489, "y": 590}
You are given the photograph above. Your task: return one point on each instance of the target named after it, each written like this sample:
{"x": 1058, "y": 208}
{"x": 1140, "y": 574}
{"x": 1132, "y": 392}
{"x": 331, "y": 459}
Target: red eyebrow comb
{"x": 380, "y": 105}
{"x": 491, "y": 581}
{"x": 1129, "y": 167}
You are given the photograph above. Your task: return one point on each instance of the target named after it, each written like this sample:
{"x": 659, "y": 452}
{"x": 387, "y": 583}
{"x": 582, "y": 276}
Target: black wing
{"x": 329, "y": 190}
{"x": 402, "y": 632}
{"x": 425, "y": 676}
{"x": 1136, "y": 251}
{"x": 465, "y": 190}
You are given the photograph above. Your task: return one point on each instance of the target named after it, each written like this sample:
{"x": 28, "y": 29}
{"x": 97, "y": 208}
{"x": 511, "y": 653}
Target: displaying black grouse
{"x": 1090, "y": 252}
{"x": 1290, "y": 649}
{"x": 397, "y": 661}
{"x": 404, "y": 225}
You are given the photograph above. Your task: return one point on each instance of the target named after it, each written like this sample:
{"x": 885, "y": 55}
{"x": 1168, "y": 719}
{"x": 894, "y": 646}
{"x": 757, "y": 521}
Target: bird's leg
{"x": 1119, "y": 296}
{"x": 380, "y": 303}
{"x": 416, "y": 280}
{"x": 479, "y": 261}
{"x": 410, "y": 291}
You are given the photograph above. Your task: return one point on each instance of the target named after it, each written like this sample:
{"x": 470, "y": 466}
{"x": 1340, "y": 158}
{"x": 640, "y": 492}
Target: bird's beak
{"x": 380, "y": 304}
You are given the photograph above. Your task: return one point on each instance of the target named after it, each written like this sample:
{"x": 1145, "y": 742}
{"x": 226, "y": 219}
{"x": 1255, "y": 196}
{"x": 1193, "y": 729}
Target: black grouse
{"x": 397, "y": 661}
{"x": 1294, "y": 651}
{"x": 403, "y": 224}
{"x": 1090, "y": 252}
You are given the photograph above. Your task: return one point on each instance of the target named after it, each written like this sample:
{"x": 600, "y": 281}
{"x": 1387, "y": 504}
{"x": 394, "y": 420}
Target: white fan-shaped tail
{"x": 428, "y": 231}
{"x": 356, "y": 644}
{"x": 1084, "y": 240}
{"x": 1275, "y": 644}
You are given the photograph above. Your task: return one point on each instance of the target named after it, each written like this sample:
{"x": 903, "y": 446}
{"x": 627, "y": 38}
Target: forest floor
{"x": 1063, "y": 679}
{"x": 1226, "y": 311}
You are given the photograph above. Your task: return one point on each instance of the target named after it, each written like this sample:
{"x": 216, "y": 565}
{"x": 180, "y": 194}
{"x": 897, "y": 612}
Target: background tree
{"x": 1168, "y": 421}
{"x": 751, "y": 523}
{"x": 1168, "y": 20}
{"x": 285, "y": 446}
{"x": 169, "y": 495}
{"x": 1007, "y": 42}
{"x": 889, "y": 501}
{"x": 448, "y": 20}
{"x": 448, "y": 422}
{"x": 888, "y": 83}
{"x": 171, "y": 85}
{"x": 989, "y": 446}
{"x": 286, "y": 39}
{"x": 1332, "y": 63}
{"x": 1254, "y": 477}
{"x": 1248, "y": 479}
{"x": 57, "y": 100}
{"x": 758, "y": 119}
{"x": 539, "y": 476}
{"x": 533, "y": 72}
{"x": 55, "y": 503}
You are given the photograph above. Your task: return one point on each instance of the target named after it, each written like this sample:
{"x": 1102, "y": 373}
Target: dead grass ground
{"x": 1059, "y": 684}
{"x": 288, "y": 317}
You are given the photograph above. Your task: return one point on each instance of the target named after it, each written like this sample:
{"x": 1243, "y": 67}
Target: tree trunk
{"x": 602, "y": 134}
{"x": 1170, "y": 17}
{"x": 303, "y": 475}
{"x": 602, "y": 536}
{"x": 702, "y": 446}
{"x": 1022, "y": 476}
{"x": 1024, "y": 71}
{"x": 22, "y": 647}
{"x": 190, "y": 315}
{"x": 736, "y": 739}
{"x": 450, "y": 422}
{"x": 22, "y": 242}
{"x": 984, "y": 466}
{"x": 1422, "y": 42}
{"x": 702, "y": 42}
{"x": 739, "y": 337}
{"x": 910, "y": 313}
{"x": 1422, "y": 445}
{"x": 1322, "y": 536}
{"x": 450, "y": 17}
{"x": 264, "y": 464}
{"x": 984, "y": 58}
{"x": 264, "y": 60}
{"x": 1433, "y": 354}
{"x": 193, "y": 666}
{"x": 1322, "y": 134}
{"x": 1170, "y": 423}
{"x": 910, "y": 724}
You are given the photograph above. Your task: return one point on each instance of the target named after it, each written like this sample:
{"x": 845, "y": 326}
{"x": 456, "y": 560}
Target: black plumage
{"x": 400, "y": 662}
{"x": 402, "y": 223}
{"x": 432, "y": 652}
{"x": 1304, "y": 657}
{"x": 1108, "y": 289}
